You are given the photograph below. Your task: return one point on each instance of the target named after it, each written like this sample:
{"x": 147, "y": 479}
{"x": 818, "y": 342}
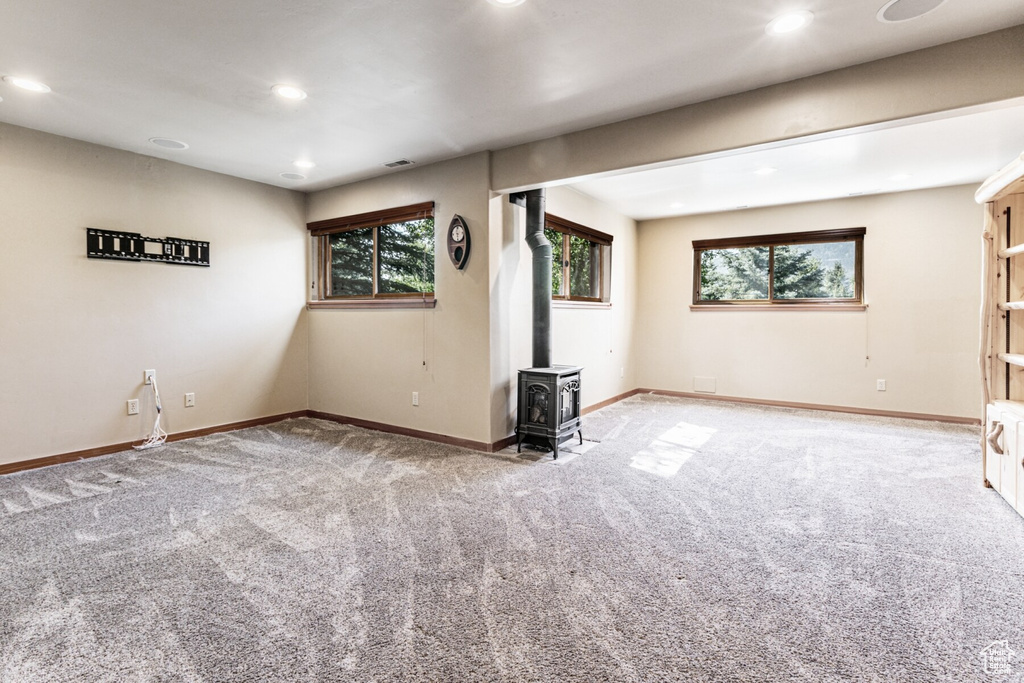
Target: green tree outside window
{"x": 817, "y": 271}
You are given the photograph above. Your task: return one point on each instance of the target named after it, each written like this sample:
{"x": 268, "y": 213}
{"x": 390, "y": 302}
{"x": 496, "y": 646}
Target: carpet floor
{"x": 696, "y": 541}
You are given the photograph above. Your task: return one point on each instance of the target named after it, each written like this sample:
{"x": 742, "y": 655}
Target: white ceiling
{"x": 954, "y": 148}
{"x": 423, "y": 79}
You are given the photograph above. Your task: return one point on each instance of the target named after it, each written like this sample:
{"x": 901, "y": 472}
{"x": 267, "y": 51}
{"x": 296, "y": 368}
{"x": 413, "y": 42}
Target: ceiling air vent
{"x": 399, "y": 163}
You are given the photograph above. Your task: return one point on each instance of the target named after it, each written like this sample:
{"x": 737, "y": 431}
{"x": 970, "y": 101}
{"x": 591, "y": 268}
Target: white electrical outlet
{"x": 190, "y": 400}
{"x": 880, "y": 385}
{"x": 415, "y": 398}
{"x": 149, "y": 375}
{"x": 622, "y": 372}
{"x": 133, "y": 406}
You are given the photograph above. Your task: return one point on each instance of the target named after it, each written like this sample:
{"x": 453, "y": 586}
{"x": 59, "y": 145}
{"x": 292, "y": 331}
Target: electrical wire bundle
{"x": 159, "y": 436}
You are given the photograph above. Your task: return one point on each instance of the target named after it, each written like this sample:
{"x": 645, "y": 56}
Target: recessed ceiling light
{"x": 168, "y": 143}
{"x": 904, "y": 10}
{"x": 289, "y": 92}
{"x": 766, "y": 170}
{"x": 302, "y": 163}
{"x": 27, "y": 84}
{"x": 506, "y": 3}
{"x": 789, "y": 22}
{"x": 293, "y": 176}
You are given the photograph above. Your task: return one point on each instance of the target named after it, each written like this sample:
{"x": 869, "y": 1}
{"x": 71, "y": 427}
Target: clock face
{"x": 458, "y": 242}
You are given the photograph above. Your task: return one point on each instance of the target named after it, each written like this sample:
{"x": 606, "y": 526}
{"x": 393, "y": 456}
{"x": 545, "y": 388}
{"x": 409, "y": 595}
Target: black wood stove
{"x": 549, "y": 406}
{"x": 549, "y": 395}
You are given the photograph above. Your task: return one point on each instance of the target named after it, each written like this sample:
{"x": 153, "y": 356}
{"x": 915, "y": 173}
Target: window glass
{"x": 584, "y": 268}
{"x": 406, "y": 257}
{"x": 386, "y": 254}
{"x": 734, "y": 274}
{"x": 581, "y": 260}
{"x": 352, "y": 263}
{"x": 557, "y": 260}
{"x": 815, "y": 271}
{"x": 812, "y": 267}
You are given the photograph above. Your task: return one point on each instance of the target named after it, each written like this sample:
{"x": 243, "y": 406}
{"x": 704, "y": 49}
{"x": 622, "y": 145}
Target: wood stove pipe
{"x": 541, "y": 248}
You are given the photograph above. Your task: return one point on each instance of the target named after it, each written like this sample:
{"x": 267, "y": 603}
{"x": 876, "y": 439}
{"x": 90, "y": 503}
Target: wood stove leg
{"x": 579, "y": 432}
{"x": 555, "y": 442}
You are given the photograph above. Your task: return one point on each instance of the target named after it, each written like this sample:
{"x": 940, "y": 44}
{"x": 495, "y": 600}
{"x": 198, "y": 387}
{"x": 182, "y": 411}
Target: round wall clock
{"x": 458, "y": 242}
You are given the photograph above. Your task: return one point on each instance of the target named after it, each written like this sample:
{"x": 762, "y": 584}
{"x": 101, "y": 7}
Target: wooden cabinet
{"x": 1004, "y": 448}
{"x": 1002, "y": 333}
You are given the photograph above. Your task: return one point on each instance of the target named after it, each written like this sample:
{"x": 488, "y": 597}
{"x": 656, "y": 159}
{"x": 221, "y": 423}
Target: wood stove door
{"x": 538, "y": 405}
{"x": 569, "y": 402}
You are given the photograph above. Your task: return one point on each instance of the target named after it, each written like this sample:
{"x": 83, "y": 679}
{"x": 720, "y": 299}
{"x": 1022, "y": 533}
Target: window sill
{"x": 568, "y": 303}
{"x": 844, "y": 308}
{"x": 401, "y": 302}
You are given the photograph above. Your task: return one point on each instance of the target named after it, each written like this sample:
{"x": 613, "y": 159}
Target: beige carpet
{"x": 696, "y": 541}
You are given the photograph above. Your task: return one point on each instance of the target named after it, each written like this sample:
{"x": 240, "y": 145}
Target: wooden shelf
{"x": 1012, "y": 306}
{"x": 1012, "y": 358}
{"x": 1012, "y": 251}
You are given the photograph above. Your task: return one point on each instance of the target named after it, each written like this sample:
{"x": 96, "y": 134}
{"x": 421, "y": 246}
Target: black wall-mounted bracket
{"x": 132, "y": 246}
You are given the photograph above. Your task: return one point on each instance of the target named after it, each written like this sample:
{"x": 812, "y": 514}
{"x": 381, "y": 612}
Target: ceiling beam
{"x": 964, "y": 73}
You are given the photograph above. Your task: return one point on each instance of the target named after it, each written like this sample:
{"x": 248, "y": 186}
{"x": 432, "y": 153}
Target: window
{"x": 822, "y": 267}
{"x": 385, "y": 256}
{"x": 580, "y": 260}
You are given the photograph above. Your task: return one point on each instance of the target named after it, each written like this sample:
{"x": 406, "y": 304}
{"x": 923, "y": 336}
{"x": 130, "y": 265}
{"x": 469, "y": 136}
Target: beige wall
{"x": 77, "y": 333}
{"x": 599, "y": 339}
{"x": 366, "y": 364}
{"x": 920, "y": 332}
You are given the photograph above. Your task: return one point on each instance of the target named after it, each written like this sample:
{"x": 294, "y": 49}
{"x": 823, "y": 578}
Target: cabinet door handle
{"x": 993, "y": 437}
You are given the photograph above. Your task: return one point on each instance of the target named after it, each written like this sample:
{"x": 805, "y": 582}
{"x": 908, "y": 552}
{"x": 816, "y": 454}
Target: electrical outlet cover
{"x": 133, "y": 406}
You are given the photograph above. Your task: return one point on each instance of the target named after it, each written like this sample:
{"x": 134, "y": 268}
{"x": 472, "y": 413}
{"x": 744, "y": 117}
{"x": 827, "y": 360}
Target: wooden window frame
{"x": 855, "y": 235}
{"x": 569, "y": 229}
{"x": 321, "y": 232}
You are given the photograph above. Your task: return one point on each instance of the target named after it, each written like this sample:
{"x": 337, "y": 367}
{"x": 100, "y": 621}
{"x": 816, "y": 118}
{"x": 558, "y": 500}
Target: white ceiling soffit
{"x": 424, "y": 80}
{"x": 935, "y": 151}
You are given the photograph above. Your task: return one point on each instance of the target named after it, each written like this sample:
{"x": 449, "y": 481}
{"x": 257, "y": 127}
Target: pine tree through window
{"x": 825, "y": 267}
{"x": 385, "y": 254}
{"x": 580, "y": 260}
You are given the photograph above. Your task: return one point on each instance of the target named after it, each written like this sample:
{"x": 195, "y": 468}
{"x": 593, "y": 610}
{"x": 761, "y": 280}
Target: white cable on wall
{"x": 159, "y": 436}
